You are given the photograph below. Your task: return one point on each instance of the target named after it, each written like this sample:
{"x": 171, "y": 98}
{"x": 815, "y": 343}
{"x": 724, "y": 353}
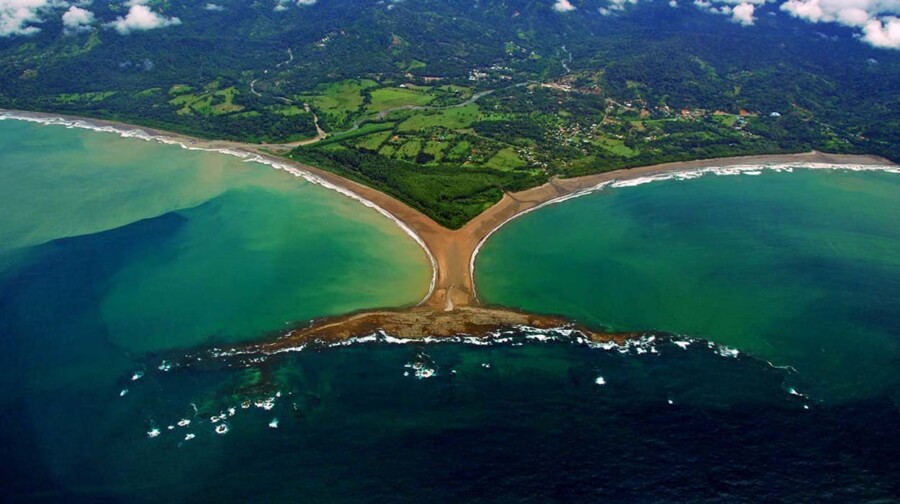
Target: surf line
{"x": 243, "y": 154}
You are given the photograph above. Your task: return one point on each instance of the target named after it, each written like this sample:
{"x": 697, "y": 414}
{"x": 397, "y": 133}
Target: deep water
{"x": 354, "y": 424}
{"x": 101, "y": 282}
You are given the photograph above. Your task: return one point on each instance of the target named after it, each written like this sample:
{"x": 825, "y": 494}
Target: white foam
{"x": 152, "y": 433}
{"x": 600, "y": 381}
{"x": 725, "y": 351}
{"x": 266, "y": 404}
{"x": 274, "y": 423}
{"x": 645, "y": 344}
{"x": 184, "y": 422}
{"x": 137, "y": 375}
{"x": 189, "y": 436}
{"x": 123, "y": 392}
{"x": 222, "y": 429}
{"x": 793, "y": 392}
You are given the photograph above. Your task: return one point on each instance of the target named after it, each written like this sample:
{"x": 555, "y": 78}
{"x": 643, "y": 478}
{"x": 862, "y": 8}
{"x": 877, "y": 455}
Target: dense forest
{"x": 446, "y": 104}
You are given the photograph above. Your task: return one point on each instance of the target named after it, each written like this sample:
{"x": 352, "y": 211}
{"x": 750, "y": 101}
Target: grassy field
{"x": 453, "y": 118}
{"x": 393, "y": 97}
{"x": 84, "y": 97}
{"x": 147, "y": 92}
{"x": 178, "y": 89}
{"x": 287, "y": 110}
{"x": 460, "y": 150}
{"x": 339, "y": 101}
{"x": 211, "y": 102}
{"x": 415, "y": 64}
{"x": 505, "y": 159}
{"x": 409, "y": 150}
{"x": 727, "y": 120}
{"x": 615, "y": 146}
{"x": 436, "y": 148}
{"x": 363, "y": 130}
{"x": 374, "y": 141}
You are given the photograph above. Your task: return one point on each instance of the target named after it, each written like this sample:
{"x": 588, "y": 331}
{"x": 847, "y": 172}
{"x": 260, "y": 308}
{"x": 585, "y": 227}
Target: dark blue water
{"x": 523, "y": 421}
{"x": 504, "y": 423}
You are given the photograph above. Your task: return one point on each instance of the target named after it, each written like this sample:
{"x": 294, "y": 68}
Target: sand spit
{"x": 451, "y": 304}
{"x": 418, "y": 324}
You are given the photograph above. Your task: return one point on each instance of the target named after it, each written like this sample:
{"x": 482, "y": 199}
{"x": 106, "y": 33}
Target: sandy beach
{"x": 453, "y": 251}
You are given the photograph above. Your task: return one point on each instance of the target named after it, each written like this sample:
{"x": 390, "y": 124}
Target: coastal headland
{"x": 451, "y": 306}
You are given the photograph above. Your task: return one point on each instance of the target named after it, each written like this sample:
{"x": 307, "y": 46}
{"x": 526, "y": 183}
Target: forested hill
{"x": 399, "y": 85}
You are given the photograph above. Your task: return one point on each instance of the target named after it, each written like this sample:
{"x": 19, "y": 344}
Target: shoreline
{"x": 453, "y": 253}
{"x": 685, "y": 170}
{"x": 471, "y": 324}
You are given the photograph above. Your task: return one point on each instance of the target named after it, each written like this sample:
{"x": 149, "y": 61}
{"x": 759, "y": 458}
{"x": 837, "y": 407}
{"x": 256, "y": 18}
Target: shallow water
{"x": 801, "y": 269}
{"x": 117, "y": 247}
{"x": 95, "y": 298}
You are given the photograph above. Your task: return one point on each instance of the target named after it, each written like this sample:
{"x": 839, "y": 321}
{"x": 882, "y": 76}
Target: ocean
{"x": 776, "y": 379}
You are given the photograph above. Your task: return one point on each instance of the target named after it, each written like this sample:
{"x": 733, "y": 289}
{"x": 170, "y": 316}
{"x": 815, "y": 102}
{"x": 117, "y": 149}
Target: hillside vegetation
{"x": 446, "y": 104}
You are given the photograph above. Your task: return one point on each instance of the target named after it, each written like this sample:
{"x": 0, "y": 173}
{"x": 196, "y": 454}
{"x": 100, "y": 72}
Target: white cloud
{"x": 877, "y": 19}
{"x": 847, "y": 12}
{"x": 213, "y": 7}
{"x": 743, "y": 14}
{"x": 615, "y": 6}
{"x": 282, "y": 5}
{"x": 141, "y": 18}
{"x": 740, "y": 11}
{"x": 17, "y": 16}
{"x": 563, "y": 6}
{"x": 77, "y": 19}
{"x": 883, "y": 33}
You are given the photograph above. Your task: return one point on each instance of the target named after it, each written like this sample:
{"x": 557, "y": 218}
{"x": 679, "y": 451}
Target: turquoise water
{"x": 118, "y": 247}
{"x": 117, "y": 255}
{"x": 801, "y": 269}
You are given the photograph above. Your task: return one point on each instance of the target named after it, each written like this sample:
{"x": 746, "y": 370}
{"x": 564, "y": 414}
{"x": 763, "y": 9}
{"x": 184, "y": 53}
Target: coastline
{"x": 247, "y": 153}
{"x": 453, "y": 253}
{"x": 469, "y": 324}
{"x": 560, "y": 190}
